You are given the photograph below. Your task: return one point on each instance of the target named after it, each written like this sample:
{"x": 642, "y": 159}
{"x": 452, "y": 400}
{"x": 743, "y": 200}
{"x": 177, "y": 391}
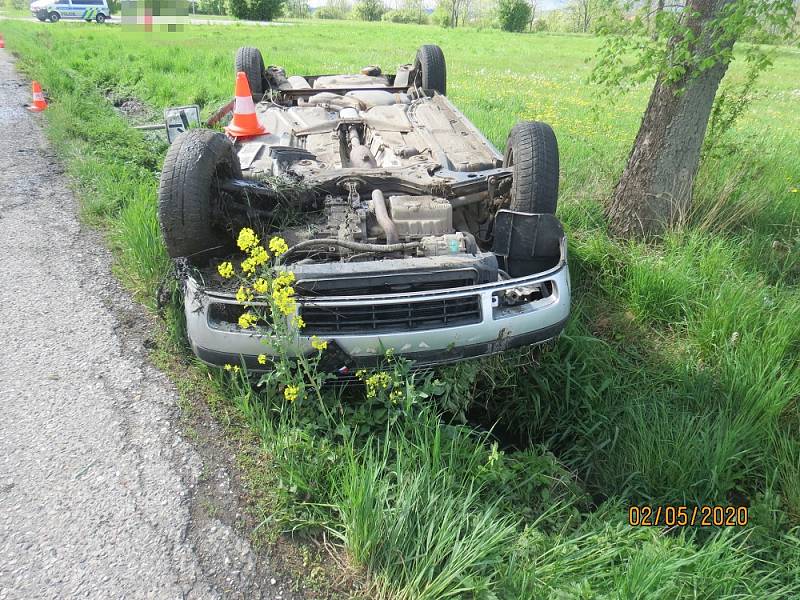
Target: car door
{"x": 65, "y": 9}
{"x": 79, "y": 9}
{"x": 90, "y": 8}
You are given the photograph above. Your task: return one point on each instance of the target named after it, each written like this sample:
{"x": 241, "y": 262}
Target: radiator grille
{"x": 386, "y": 318}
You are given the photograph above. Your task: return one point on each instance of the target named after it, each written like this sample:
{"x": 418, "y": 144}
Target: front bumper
{"x": 498, "y": 328}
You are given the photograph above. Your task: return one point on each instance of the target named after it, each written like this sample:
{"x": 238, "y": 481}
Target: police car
{"x": 55, "y": 10}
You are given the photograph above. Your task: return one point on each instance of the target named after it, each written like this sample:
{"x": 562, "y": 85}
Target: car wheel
{"x": 250, "y": 62}
{"x": 431, "y": 69}
{"x": 532, "y": 151}
{"x": 193, "y": 167}
{"x": 53, "y": 17}
{"x": 42, "y": 19}
{"x": 100, "y": 19}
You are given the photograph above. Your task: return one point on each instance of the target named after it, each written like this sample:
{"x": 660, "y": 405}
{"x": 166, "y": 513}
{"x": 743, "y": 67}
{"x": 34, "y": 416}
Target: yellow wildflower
{"x": 228, "y": 366}
{"x": 298, "y": 322}
{"x": 283, "y": 299}
{"x": 261, "y": 285}
{"x": 234, "y": 368}
{"x": 377, "y": 381}
{"x": 247, "y": 320}
{"x": 244, "y": 294}
{"x": 278, "y": 246}
{"x": 247, "y": 239}
{"x": 225, "y": 269}
{"x": 290, "y": 392}
{"x": 248, "y": 265}
{"x": 258, "y": 255}
{"x": 320, "y": 345}
{"x": 284, "y": 279}
{"x": 262, "y": 359}
{"x": 395, "y": 396}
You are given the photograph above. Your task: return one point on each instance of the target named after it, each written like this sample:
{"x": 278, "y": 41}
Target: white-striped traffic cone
{"x": 245, "y": 121}
{"x": 39, "y": 103}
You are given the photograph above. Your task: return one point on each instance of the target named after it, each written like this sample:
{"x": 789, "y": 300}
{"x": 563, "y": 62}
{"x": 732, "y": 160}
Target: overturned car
{"x": 407, "y": 229}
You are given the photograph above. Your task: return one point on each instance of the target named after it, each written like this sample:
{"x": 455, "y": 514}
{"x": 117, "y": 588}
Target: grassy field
{"x": 677, "y": 381}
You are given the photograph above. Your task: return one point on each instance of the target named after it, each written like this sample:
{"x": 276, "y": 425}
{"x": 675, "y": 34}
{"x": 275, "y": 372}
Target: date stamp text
{"x": 703, "y": 515}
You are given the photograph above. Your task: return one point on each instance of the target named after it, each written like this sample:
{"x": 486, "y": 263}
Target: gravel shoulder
{"x": 98, "y": 488}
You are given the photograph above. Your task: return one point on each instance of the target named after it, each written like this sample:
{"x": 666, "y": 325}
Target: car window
{"x": 92, "y": 2}
{"x": 63, "y": 3}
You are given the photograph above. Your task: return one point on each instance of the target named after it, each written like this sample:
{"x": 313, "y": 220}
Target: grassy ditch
{"x": 677, "y": 381}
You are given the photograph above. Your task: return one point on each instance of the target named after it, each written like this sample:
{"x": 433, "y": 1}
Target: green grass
{"x": 6, "y": 10}
{"x": 677, "y": 380}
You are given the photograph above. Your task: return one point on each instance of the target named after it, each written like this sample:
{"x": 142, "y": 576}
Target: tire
{"x": 53, "y": 17}
{"x": 532, "y": 150}
{"x": 431, "y": 69}
{"x": 101, "y": 18}
{"x": 42, "y": 19}
{"x": 251, "y": 63}
{"x": 187, "y": 191}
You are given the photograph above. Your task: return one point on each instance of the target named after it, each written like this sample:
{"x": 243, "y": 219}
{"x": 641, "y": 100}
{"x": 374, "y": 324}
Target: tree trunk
{"x": 658, "y": 10}
{"x": 655, "y": 190}
{"x": 586, "y": 15}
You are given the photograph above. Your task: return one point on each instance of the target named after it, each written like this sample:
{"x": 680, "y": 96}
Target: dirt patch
{"x": 132, "y": 108}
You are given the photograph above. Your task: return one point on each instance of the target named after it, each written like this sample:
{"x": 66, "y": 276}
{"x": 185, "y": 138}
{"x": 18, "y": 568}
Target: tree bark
{"x": 655, "y": 190}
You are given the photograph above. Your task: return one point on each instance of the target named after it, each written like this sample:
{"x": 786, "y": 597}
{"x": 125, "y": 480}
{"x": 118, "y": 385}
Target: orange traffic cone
{"x": 245, "y": 122}
{"x": 39, "y": 103}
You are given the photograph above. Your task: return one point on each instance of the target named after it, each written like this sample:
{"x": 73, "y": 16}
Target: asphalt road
{"x": 98, "y": 488}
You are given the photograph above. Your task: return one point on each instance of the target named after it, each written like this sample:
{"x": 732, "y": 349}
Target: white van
{"x": 55, "y": 10}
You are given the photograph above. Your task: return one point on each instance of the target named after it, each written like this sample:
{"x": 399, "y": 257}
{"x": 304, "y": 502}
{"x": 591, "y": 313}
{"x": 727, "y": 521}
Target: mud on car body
{"x": 407, "y": 229}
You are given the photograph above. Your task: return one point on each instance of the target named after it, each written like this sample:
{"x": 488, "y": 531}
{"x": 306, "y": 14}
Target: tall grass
{"x": 677, "y": 380}
{"x": 412, "y": 512}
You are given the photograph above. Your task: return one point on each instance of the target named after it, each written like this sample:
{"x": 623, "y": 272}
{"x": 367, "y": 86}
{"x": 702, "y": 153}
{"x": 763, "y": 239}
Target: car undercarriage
{"x": 406, "y": 228}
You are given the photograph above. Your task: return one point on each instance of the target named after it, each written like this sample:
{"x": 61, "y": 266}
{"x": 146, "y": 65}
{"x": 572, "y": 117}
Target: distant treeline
{"x": 576, "y": 16}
